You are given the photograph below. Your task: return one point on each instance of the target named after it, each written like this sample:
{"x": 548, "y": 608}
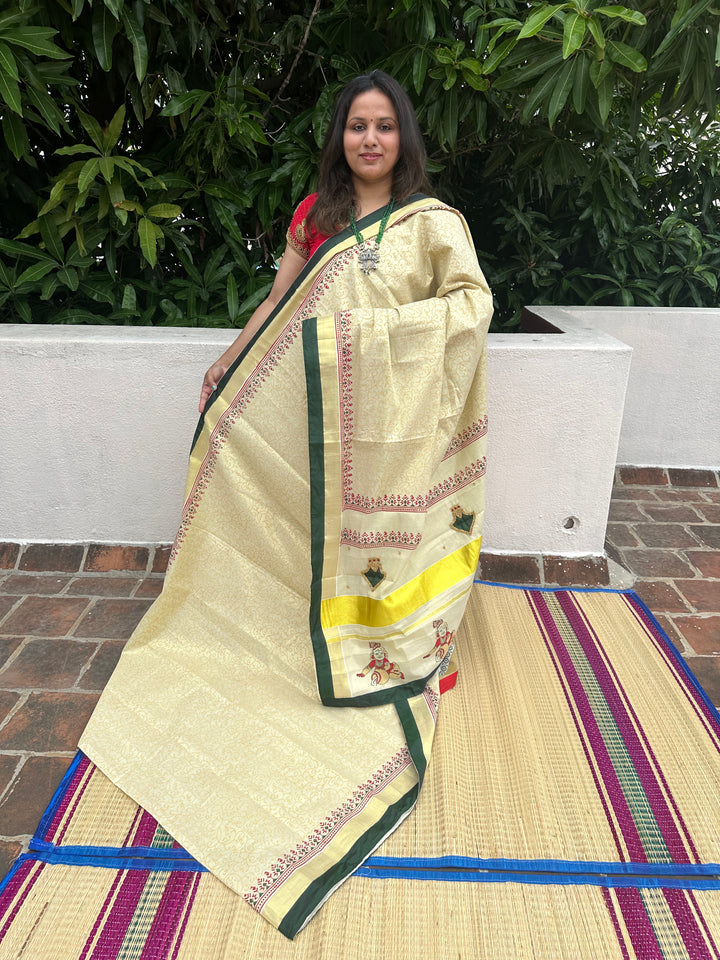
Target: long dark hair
{"x": 335, "y": 187}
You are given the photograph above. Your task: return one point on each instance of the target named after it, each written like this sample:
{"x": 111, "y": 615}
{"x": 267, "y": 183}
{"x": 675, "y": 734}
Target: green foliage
{"x": 152, "y": 152}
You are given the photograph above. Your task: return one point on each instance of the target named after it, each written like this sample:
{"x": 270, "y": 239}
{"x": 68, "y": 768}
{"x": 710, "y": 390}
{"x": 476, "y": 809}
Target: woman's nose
{"x": 370, "y": 134}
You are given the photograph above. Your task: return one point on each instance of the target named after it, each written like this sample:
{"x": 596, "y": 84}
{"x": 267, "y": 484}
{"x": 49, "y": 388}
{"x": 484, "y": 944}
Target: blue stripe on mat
{"x": 71, "y": 856}
{"x": 93, "y": 852}
{"x": 544, "y": 867}
{"x": 568, "y": 879}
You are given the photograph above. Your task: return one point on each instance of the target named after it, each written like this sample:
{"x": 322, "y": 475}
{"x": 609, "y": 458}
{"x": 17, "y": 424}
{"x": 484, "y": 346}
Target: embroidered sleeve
{"x": 298, "y": 235}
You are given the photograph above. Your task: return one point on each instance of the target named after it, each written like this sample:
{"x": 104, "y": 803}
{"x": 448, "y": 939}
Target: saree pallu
{"x": 330, "y": 533}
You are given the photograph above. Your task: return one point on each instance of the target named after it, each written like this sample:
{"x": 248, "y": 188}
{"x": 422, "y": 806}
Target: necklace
{"x": 369, "y": 257}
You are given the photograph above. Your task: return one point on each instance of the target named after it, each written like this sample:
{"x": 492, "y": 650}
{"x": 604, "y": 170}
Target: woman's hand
{"x": 214, "y": 374}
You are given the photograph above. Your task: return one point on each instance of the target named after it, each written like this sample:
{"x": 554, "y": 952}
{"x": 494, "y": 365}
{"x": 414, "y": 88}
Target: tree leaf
{"x": 10, "y": 92}
{"x": 74, "y": 149}
{"x": 164, "y": 210}
{"x": 632, "y": 16}
{"x": 15, "y": 135}
{"x": 46, "y": 107}
{"x": 582, "y": 84}
{"x": 115, "y": 6}
{"x": 148, "y": 240}
{"x": 23, "y": 308}
{"x": 499, "y": 54}
{"x": 92, "y": 129}
{"x": 104, "y": 28}
{"x": 48, "y": 286}
{"x": 537, "y": 20}
{"x": 419, "y": 70}
{"x": 605, "y": 95}
{"x": 69, "y": 277}
{"x": 599, "y": 70}
{"x": 232, "y": 297}
{"x": 114, "y": 129}
{"x": 129, "y": 300}
{"x": 51, "y": 238}
{"x": 626, "y": 56}
{"x": 541, "y": 91}
{"x": 7, "y": 62}
{"x": 34, "y": 272}
{"x": 107, "y": 168}
{"x": 680, "y": 22}
{"x": 184, "y": 101}
{"x": 596, "y": 31}
{"x": 561, "y": 90}
{"x": 99, "y": 289}
{"x": 90, "y": 170}
{"x": 573, "y": 33}
{"x": 136, "y": 36}
{"x": 24, "y": 250}
{"x": 36, "y": 40}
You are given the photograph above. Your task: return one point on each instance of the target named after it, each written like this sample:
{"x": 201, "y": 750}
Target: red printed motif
{"x": 372, "y": 539}
{"x": 265, "y": 886}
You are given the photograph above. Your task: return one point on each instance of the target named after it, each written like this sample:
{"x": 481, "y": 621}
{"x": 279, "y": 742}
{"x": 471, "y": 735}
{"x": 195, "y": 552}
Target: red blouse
{"x": 301, "y": 236}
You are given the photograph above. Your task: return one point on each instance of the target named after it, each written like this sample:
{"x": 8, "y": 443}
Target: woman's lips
{"x": 370, "y": 156}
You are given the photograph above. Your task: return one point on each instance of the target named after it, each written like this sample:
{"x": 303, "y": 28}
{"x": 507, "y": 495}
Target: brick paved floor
{"x": 67, "y": 610}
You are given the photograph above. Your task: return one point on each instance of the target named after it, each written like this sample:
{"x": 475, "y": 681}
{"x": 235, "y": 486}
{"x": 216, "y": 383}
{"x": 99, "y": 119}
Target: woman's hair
{"x": 335, "y": 188}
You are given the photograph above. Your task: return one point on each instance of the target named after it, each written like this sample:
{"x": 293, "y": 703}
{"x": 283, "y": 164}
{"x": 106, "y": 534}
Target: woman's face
{"x": 372, "y": 138}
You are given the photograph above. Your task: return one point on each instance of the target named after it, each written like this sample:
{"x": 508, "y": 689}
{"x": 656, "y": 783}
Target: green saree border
{"x": 318, "y": 891}
{"x": 413, "y": 738}
{"x": 316, "y": 450}
{"x": 310, "y": 267}
{"x": 306, "y": 905}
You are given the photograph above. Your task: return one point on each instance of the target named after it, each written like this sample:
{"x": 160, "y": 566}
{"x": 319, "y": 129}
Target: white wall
{"x": 671, "y": 409}
{"x": 97, "y": 424}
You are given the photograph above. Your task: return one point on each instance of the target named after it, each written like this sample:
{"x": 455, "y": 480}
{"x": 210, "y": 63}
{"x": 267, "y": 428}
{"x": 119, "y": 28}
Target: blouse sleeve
{"x": 298, "y": 235}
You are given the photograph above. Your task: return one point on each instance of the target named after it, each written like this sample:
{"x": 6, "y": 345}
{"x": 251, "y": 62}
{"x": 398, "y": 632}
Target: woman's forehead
{"x": 372, "y": 105}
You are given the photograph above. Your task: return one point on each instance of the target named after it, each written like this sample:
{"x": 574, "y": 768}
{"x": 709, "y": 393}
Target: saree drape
{"x": 329, "y": 537}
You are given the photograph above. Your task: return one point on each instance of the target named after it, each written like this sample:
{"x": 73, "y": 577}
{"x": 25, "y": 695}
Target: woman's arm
{"x": 290, "y": 266}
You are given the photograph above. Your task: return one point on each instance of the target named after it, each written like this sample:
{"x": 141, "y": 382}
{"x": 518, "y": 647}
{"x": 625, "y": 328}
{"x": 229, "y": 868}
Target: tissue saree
{"x": 330, "y": 533}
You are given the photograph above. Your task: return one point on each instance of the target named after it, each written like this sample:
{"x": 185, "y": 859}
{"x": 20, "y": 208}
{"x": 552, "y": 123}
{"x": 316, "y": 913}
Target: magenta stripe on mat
{"x": 145, "y": 831}
{"x": 702, "y": 710}
{"x": 562, "y": 680}
{"x": 26, "y": 875}
{"x": 643, "y": 759}
{"x": 186, "y": 917}
{"x": 591, "y": 730}
{"x": 68, "y": 798}
{"x": 616, "y": 923}
{"x": 702, "y": 921}
{"x": 101, "y": 916}
{"x": 120, "y": 915}
{"x": 169, "y": 915}
{"x": 640, "y": 930}
{"x": 692, "y": 935}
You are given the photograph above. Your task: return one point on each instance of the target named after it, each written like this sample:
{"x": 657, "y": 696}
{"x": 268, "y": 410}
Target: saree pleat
{"x": 330, "y": 532}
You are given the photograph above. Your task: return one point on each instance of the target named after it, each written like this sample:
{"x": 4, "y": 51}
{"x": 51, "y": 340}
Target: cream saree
{"x": 329, "y": 538}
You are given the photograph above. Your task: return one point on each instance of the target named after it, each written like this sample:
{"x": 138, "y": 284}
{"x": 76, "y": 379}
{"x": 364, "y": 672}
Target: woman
{"x": 373, "y": 151}
{"x": 341, "y": 436}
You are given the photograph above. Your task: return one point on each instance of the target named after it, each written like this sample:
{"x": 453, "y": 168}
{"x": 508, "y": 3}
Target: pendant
{"x": 368, "y": 258}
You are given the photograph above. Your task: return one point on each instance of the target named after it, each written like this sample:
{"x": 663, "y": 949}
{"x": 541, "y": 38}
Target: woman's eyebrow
{"x": 364, "y": 119}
